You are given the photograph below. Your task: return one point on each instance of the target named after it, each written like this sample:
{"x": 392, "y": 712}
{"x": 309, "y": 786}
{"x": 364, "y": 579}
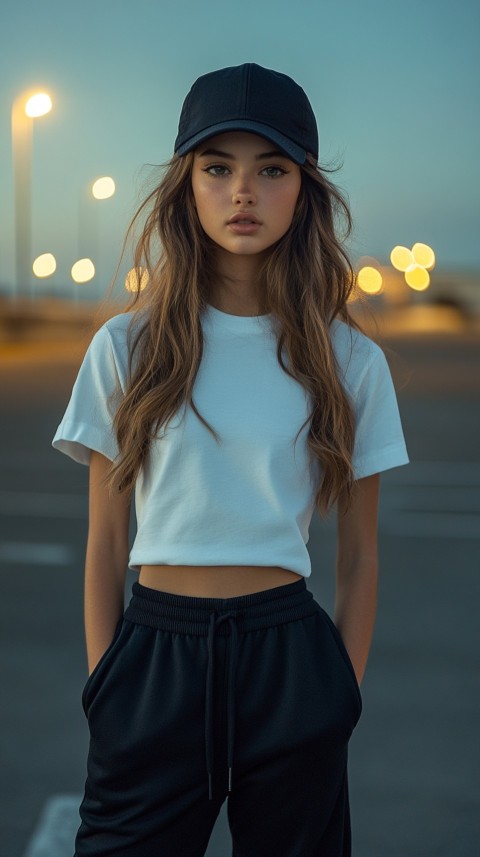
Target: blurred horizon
{"x": 394, "y": 88}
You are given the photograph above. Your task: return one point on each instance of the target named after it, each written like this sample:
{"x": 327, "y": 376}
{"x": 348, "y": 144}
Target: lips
{"x": 244, "y": 217}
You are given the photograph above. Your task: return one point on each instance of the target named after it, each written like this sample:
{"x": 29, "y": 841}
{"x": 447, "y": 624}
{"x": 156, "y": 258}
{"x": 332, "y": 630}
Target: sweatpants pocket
{"x": 100, "y": 670}
{"x": 344, "y": 653}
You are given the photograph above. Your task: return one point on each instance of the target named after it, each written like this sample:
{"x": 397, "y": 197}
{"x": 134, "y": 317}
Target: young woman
{"x": 233, "y": 400}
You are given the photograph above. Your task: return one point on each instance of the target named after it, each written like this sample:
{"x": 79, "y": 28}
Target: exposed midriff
{"x": 215, "y": 581}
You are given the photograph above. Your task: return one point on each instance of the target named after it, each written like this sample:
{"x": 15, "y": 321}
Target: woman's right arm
{"x": 106, "y": 560}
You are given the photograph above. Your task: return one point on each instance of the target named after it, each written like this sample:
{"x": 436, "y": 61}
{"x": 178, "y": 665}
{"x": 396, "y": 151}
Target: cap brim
{"x": 294, "y": 152}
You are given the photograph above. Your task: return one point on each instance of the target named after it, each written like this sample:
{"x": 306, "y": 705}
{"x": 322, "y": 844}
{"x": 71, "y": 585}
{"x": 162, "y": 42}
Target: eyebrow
{"x": 219, "y": 154}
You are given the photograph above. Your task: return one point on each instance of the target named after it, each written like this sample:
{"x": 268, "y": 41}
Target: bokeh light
{"x": 132, "y": 280}
{"x": 38, "y": 105}
{"x": 417, "y": 278}
{"x": 401, "y": 258}
{"x": 103, "y": 188}
{"x": 370, "y": 280}
{"x": 83, "y": 271}
{"x": 44, "y": 265}
{"x": 423, "y": 255}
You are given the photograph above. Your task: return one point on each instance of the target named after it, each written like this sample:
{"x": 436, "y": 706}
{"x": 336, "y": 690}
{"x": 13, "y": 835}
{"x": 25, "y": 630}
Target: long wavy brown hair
{"x": 305, "y": 283}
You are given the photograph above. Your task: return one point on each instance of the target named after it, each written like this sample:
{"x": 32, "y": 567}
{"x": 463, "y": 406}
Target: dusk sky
{"x": 394, "y": 87}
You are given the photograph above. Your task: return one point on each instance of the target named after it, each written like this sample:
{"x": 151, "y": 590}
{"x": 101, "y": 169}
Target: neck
{"x": 236, "y": 285}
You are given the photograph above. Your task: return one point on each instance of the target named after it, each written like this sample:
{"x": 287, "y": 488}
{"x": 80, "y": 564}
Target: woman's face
{"x": 242, "y": 175}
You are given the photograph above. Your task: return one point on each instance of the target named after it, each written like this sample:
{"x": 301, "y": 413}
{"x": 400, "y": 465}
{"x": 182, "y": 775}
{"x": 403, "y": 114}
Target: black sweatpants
{"x": 252, "y": 698}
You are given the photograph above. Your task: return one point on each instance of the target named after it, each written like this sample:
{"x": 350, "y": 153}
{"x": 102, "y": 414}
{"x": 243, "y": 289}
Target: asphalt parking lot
{"x": 414, "y": 757}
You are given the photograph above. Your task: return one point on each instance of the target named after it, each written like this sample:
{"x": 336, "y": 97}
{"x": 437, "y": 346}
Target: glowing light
{"x": 44, "y": 265}
{"x": 401, "y": 258}
{"x": 371, "y": 261}
{"x": 83, "y": 271}
{"x": 370, "y": 280}
{"x": 417, "y": 278}
{"x": 38, "y": 105}
{"x": 132, "y": 283}
{"x": 423, "y": 255}
{"x": 103, "y": 188}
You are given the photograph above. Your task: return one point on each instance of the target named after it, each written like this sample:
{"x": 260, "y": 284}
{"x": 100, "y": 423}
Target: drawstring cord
{"x": 232, "y": 664}
{"x": 183, "y": 615}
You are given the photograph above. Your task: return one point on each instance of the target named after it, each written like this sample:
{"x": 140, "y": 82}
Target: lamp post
{"x": 88, "y": 219}
{"x": 25, "y": 109}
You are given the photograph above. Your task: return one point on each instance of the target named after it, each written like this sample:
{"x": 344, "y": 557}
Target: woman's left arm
{"x": 357, "y": 570}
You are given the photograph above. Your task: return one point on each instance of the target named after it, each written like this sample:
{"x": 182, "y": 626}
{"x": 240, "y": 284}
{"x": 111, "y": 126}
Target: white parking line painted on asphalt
{"x": 36, "y": 553}
{"x": 418, "y": 524}
{"x": 54, "y": 835}
{"x": 432, "y": 500}
{"x": 43, "y": 505}
{"x": 430, "y": 525}
{"x": 455, "y": 499}
{"x": 417, "y": 473}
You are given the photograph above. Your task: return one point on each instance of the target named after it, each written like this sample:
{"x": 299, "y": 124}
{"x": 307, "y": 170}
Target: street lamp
{"x": 88, "y": 218}
{"x": 44, "y": 265}
{"x": 370, "y": 280}
{"x": 103, "y": 188}
{"x": 25, "y": 109}
{"x": 83, "y": 271}
{"x": 38, "y": 105}
{"x": 136, "y": 280}
{"x": 415, "y": 264}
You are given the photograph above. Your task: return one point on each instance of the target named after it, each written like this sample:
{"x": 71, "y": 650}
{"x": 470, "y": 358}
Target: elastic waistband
{"x": 185, "y": 614}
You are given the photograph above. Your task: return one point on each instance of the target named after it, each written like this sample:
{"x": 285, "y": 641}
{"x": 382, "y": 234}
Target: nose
{"x": 243, "y": 194}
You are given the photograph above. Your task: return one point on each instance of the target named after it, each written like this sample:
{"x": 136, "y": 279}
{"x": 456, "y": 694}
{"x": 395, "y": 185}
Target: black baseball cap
{"x": 249, "y": 97}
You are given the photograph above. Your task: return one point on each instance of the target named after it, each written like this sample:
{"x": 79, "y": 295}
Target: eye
{"x": 274, "y": 172}
{"x": 216, "y": 170}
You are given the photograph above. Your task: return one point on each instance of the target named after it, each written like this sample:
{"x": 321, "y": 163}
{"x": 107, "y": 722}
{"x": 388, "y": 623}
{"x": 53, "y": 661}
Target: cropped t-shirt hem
{"x": 305, "y": 570}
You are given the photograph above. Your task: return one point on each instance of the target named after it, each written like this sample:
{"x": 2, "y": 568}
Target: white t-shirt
{"x": 248, "y": 500}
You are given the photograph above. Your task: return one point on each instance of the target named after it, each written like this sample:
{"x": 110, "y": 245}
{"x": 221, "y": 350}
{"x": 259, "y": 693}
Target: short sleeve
{"x": 88, "y": 420}
{"x": 379, "y": 439}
